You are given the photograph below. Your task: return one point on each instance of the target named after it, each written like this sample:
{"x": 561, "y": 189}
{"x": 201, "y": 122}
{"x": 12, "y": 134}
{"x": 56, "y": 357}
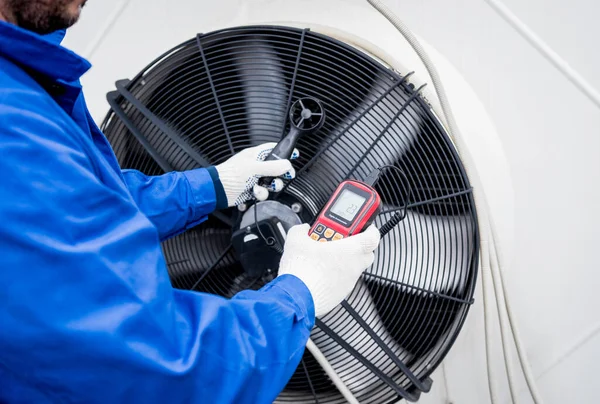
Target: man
{"x": 87, "y": 312}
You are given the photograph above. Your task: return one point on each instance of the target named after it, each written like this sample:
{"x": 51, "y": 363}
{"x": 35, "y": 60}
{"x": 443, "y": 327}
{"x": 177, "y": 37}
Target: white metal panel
{"x": 550, "y": 134}
{"x": 96, "y": 19}
{"x": 570, "y": 28}
{"x": 437, "y": 394}
{"x": 574, "y": 379}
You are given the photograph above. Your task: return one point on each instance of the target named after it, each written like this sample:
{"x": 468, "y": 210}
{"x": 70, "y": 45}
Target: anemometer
{"x": 352, "y": 208}
{"x": 354, "y": 205}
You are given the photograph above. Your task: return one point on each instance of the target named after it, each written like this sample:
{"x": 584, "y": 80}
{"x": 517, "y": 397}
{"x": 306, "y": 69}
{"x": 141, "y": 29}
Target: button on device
{"x": 323, "y": 240}
{"x": 319, "y": 229}
{"x": 314, "y": 236}
{"x": 329, "y": 233}
{"x": 338, "y": 236}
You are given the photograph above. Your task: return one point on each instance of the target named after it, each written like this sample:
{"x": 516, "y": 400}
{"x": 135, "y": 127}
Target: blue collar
{"x": 41, "y": 53}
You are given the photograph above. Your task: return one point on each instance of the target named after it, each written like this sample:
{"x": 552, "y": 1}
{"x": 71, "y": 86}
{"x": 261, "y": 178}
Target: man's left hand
{"x": 241, "y": 173}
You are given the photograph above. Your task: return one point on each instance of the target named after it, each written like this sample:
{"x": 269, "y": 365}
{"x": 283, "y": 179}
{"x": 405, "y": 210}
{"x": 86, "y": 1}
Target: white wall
{"x": 549, "y": 132}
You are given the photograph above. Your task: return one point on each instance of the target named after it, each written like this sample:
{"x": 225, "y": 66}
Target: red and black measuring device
{"x": 354, "y": 206}
{"x": 351, "y": 209}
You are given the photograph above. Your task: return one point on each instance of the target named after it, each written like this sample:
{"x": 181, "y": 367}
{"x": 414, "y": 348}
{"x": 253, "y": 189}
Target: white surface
{"x": 550, "y": 133}
{"x": 548, "y": 130}
{"x": 581, "y": 368}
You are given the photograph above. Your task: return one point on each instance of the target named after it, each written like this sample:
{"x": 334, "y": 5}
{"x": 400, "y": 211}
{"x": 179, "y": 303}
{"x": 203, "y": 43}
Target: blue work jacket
{"x": 87, "y": 311}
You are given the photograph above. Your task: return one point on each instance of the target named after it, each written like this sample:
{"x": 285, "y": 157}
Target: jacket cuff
{"x": 202, "y": 191}
{"x": 219, "y": 190}
{"x": 300, "y": 294}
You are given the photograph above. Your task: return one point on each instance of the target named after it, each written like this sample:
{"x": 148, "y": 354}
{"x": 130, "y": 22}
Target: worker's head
{"x": 41, "y": 16}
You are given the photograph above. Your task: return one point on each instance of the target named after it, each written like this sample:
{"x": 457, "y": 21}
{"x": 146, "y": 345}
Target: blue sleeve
{"x": 176, "y": 201}
{"x": 87, "y": 310}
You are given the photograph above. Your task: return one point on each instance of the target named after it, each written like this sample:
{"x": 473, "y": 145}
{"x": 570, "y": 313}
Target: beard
{"x": 43, "y": 16}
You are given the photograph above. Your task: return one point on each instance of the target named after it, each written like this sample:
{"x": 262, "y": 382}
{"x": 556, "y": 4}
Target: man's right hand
{"x": 329, "y": 270}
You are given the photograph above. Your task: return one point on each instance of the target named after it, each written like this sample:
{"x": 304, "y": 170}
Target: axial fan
{"x": 221, "y": 92}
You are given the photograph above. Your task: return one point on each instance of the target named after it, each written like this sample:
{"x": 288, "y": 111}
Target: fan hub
{"x": 261, "y": 235}
{"x": 270, "y": 209}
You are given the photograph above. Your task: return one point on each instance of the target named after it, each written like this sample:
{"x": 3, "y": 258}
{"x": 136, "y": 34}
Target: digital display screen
{"x": 347, "y": 205}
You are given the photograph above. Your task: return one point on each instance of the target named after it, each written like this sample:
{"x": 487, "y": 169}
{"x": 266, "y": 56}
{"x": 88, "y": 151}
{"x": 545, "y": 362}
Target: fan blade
{"x": 426, "y": 253}
{"x": 185, "y": 133}
{"x": 198, "y": 253}
{"x": 265, "y": 91}
{"x": 352, "y": 372}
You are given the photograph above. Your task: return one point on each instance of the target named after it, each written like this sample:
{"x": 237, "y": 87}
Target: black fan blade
{"x": 426, "y": 252}
{"x": 265, "y": 91}
{"x": 195, "y": 257}
{"x": 353, "y": 372}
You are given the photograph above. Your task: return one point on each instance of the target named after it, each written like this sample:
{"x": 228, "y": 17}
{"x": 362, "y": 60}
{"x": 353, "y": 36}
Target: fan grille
{"x": 221, "y": 92}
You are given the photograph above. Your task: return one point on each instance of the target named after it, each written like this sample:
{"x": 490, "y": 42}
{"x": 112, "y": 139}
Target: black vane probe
{"x": 306, "y": 116}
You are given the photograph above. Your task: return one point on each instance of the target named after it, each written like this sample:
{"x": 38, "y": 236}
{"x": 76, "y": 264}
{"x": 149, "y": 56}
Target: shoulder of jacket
{"x": 26, "y": 107}
{"x": 13, "y": 77}
{"x": 21, "y": 92}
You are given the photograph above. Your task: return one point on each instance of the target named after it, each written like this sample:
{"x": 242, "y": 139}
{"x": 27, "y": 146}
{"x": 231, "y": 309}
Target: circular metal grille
{"x": 221, "y": 92}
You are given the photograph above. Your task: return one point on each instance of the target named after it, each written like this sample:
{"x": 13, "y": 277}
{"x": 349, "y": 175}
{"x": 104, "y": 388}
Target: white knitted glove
{"x": 240, "y": 174}
{"x": 329, "y": 270}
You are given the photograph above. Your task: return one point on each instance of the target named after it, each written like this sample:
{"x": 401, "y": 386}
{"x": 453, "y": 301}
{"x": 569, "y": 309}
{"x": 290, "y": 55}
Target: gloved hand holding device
{"x": 329, "y": 270}
{"x": 240, "y": 174}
